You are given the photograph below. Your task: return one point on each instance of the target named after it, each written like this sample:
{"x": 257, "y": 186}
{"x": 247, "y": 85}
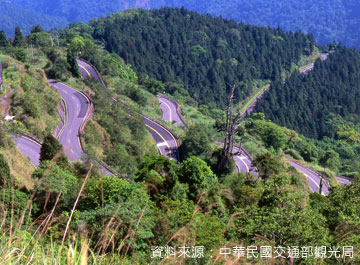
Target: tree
{"x": 233, "y": 128}
{"x": 20, "y": 54}
{"x": 158, "y": 173}
{"x": 36, "y": 29}
{"x": 282, "y": 217}
{"x": 197, "y": 174}
{"x": 196, "y": 142}
{"x": 77, "y": 44}
{"x": 4, "y": 41}
{"x": 51, "y": 180}
{"x": 39, "y": 39}
{"x": 71, "y": 59}
{"x": 19, "y": 40}
{"x": 268, "y": 165}
{"x": 271, "y": 134}
{"x": 58, "y": 70}
{"x": 49, "y": 148}
{"x": 330, "y": 159}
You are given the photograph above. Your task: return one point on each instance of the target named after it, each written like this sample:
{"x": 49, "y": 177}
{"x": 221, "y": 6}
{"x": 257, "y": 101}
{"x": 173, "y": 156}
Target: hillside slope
{"x": 13, "y": 15}
{"x": 199, "y": 53}
{"x": 328, "y": 20}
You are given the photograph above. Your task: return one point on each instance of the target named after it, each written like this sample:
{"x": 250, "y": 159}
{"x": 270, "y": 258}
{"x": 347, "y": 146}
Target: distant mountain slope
{"x": 201, "y": 53}
{"x": 327, "y": 19}
{"x": 321, "y": 102}
{"x": 15, "y": 15}
{"x": 81, "y": 10}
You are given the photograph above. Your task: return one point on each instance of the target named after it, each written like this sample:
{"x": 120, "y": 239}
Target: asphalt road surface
{"x": 170, "y": 113}
{"x": 77, "y": 107}
{"x": 312, "y": 178}
{"x": 243, "y": 162}
{"x": 29, "y": 148}
{"x": 87, "y": 71}
{"x": 310, "y": 67}
{"x": 165, "y": 141}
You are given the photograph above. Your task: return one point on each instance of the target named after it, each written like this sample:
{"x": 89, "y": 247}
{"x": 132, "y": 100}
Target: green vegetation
{"x": 170, "y": 205}
{"x": 125, "y": 137}
{"x": 328, "y": 21}
{"x": 204, "y": 60}
{"x": 324, "y": 106}
{"x": 253, "y": 98}
{"x": 49, "y": 148}
{"x": 73, "y": 214}
{"x": 30, "y": 93}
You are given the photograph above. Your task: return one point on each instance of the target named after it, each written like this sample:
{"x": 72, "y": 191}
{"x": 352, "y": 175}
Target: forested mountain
{"x": 201, "y": 53}
{"x": 309, "y": 103}
{"x": 15, "y": 15}
{"x": 327, "y": 20}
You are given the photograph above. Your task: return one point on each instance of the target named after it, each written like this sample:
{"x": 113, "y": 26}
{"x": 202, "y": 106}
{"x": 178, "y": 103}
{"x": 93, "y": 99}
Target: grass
{"x": 253, "y": 98}
{"x": 96, "y": 137}
{"x": 20, "y": 166}
{"x": 27, "y": 80}
{"x": 306, "y": 61}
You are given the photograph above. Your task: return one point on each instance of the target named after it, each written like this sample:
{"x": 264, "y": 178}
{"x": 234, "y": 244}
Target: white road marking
{"x": 162, "y": 101}
{"x": 162, "y": 144}
{"x": 241, "y": 159}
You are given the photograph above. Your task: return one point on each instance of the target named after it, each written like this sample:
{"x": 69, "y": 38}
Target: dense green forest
{"x": 202, "y": 53}
{"x": 311, "y": 103}
{"x": 322, "y": 104}
{"x": 328, "y": 20}
{"x": 337, "y": 20}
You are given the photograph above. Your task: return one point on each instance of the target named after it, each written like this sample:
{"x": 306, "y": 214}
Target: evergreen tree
{"x": 71, "y": 59}
{"x": 49, "y": 148}
{"x": 36, "y": 29}
{"x": 19, "y": 40}
{"x": 4, "y": 41}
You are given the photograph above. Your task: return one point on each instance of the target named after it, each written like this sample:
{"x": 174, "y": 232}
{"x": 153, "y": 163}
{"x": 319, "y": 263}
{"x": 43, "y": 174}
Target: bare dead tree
{"x": 229, "y": 127}
{"x": 233, "y": 120}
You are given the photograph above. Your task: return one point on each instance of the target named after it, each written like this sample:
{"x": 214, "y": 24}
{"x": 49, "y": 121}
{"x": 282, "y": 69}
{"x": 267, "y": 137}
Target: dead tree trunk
{"x": 227, "y": 151}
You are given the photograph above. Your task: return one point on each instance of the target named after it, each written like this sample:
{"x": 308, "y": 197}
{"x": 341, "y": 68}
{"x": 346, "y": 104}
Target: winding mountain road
{"x": 252, "y": 105}
{"x": 87, "y": 71}
{"x": 313, "y": 179}
{"x": 169, "y": 110}
{"x": 77, "y": 108}
{"x": 243, "y": 161}
{"x": 165, "y": 140}
{"x": 310, "y": 67}
{"x": 170, "y": 113}
{"x": 29, "y": 148}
